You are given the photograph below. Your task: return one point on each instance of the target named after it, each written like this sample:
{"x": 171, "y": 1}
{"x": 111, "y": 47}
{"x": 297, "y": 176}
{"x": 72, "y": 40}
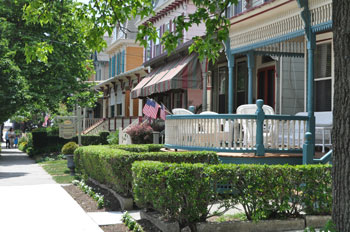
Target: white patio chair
{"x": 248, "y": 126}
{"x": 323, "y": 128}
{"x": 181, "y": 111}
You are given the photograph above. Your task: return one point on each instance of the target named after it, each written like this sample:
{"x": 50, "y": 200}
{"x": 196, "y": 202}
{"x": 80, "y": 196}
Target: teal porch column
{"x": 251, "y": 65}
{"x": 260, "y": 116}
{"x": 311, "y": 45}
{"x": 230, "y": 64}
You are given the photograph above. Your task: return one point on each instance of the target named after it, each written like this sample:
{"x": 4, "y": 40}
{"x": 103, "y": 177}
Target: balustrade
{"x": 236, "y": 132}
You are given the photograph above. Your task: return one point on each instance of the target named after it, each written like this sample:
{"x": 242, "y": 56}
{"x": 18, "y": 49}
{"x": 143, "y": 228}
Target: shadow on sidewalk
{"x": 5, "y": 175}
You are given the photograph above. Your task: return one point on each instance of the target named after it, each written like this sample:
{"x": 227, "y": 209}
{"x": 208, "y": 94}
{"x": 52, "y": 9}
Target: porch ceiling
{"x": 278, "y": 28}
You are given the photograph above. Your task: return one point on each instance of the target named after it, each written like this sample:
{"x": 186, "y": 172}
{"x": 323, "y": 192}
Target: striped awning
{"x": 182, "y": 73}
{"x": 137, "y": 91}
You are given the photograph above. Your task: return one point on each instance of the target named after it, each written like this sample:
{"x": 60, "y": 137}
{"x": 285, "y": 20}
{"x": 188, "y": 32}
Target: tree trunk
{"x": 341, "y": 116}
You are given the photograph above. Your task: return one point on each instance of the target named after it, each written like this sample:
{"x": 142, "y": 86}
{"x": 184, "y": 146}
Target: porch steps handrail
{"x": 94, "y": 126}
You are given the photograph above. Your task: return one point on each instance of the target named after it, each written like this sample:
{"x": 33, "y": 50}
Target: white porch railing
{"x": 236, "y": 133}
{"x": 90, "y": 122}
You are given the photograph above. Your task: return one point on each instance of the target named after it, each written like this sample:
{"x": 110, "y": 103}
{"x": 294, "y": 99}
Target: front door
{"x": 266, "y": 85}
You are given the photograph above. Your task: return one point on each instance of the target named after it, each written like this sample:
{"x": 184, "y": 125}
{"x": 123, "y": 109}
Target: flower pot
{"x": 70, "y": 164}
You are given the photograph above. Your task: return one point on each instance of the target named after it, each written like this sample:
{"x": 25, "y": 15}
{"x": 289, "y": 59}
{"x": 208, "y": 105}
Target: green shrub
{"x": 182, "y": 192}
{"x": 113, "y": 138}
{"x": 139, "y": 147}
{"x": 52, "y": 131}
{"x": 23, "y": 139}
{"x": 103, "y": 136}
{"x": 69, "y": 148}
{"x": 113, "y": 166}
{"x": 23, "y": 146}
{"x": 39, "y": 138}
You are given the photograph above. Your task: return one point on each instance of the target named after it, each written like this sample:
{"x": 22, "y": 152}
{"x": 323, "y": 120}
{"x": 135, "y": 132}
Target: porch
{"x": 245, "y": 138}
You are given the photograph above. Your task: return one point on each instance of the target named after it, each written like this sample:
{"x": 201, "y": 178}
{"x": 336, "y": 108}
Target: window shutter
{"x": 109, "y": 68}
{"x": 123, "y": 61}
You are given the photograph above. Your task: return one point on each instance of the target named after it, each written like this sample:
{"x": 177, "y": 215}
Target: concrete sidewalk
{"x": 30, "y": 200}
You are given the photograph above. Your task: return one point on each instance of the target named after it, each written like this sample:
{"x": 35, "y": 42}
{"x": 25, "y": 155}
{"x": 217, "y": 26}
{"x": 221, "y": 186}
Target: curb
{"x": 242, "y": 226}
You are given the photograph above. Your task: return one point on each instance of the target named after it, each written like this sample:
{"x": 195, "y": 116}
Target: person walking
{"x": 7, "y": 139}
{"x": 11, "y": 136}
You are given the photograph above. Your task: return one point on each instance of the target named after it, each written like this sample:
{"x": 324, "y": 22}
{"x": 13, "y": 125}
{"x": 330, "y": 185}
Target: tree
{"x": 105, "y": 15}
{"x": 50, "y": 59}
{"x": 12, "y": 84}
{"x": 341, "y": 116}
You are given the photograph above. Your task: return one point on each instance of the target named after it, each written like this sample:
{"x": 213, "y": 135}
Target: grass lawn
{"x": 58, "y": 170}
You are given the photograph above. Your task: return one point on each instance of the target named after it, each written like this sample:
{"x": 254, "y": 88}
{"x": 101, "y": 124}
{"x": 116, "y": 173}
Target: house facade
{"x": 122, "y": 71}
{"x": 175, "y": 79}
{"x": 279, "y": 51}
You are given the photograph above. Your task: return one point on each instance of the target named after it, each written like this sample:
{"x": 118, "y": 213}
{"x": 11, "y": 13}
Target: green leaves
{"x": 264, "y": 191}
{"x": 38, "y": 51}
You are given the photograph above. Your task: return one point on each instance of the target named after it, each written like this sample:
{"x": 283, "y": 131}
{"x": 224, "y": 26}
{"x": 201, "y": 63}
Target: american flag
{"x": 151, "y": 109}
{"x": 162, "y": 112}
{"x": 46, "y": 119}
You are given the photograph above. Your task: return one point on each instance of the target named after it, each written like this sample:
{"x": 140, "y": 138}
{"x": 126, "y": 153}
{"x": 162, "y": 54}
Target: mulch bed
{"x": 146, "y": 225}
{"x": 90, "y": 205}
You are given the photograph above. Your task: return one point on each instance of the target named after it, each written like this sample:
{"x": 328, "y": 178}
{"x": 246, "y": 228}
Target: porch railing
{"x": 90, "y": 122}
{"x": 117, "y": 122}
{"x": 256, "y": 133}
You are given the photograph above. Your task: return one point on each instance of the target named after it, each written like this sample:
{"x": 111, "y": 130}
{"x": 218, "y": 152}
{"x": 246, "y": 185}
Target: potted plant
{"x": 68, "y": 150}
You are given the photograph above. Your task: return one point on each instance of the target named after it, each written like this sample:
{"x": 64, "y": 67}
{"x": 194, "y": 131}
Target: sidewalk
{"x": 31, "y": 201}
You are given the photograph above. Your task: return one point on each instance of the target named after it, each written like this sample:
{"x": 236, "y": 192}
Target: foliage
{"x": 69, "y": 148}
{"x": 39, "y": 138}
{"x": 13, "y": 84}
{"x": 52, "y": 131}
{"x": 22, "y": 146}
{"x": 329, "y": 227}
{"x": 104, "y": 15}
{"x": 139, "y": 147}
{"x": 131, "y": 223}
{"x": 44, "y": 63}
{"x": 140, "y": 133}
{"x": 104, "y": 136}
{"x": 113, "y": 166}
{"x": 231, "y": 217}
{"x": 182, "y": 192}
{"x": 90, "y": 191}
{"x": 113, "y": 138}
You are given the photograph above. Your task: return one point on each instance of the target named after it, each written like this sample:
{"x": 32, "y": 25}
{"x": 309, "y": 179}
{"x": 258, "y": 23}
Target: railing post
{"x": 260, "y": 116}
{"x": 308, "y": 149}
{"x": 115, "y": 123}
{"x": 109, "y": 124}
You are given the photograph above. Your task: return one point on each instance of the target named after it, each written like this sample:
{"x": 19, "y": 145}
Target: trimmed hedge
{"x": 139, "y": 147}
{"x": 182, "y": 192}
{"x": 113, "y": 166}
{"x": 43, "y": 143}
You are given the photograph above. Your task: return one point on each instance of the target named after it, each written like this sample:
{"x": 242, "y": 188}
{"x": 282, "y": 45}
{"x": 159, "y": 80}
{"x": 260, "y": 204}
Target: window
{"x": 148, "y": 49}
{"x": 157, "y": 47}
{"x": 177, "y": 100}
{"x": 112, "y": 111}
{"x": 119, "y": 109}
{"x": 238, "y": 8}
{"x": 323, "y": 77}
